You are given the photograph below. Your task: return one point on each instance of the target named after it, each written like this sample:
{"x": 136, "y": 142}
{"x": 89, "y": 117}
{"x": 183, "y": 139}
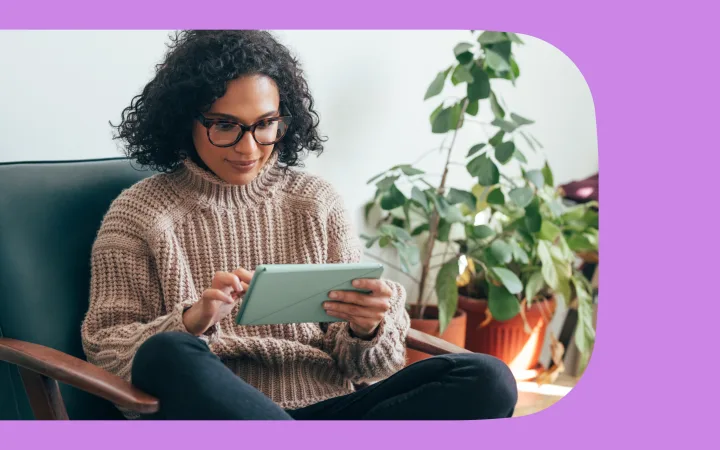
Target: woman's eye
{"x": 224, "y": 126}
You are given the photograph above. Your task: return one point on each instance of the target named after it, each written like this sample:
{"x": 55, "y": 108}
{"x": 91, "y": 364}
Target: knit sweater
{"x": 164, "y": 238}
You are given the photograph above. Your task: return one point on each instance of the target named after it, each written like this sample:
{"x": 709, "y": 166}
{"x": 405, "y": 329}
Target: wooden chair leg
{"x": 44, "y": 396}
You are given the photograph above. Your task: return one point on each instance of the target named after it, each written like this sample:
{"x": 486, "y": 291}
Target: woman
{"x": 225, "y": 118}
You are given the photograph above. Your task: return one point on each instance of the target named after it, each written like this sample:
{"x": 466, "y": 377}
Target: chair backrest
{"x": 49, "y": 216}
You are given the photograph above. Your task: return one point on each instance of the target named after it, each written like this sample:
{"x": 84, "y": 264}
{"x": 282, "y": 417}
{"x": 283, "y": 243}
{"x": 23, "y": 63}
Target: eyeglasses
{"x": 226, "y": 133}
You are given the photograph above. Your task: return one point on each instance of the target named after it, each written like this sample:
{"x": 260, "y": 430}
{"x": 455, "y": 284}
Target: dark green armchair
{"x": 49, "y": 215}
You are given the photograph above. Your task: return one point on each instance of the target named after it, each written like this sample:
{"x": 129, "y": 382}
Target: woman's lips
{"x": 242, "y": 166}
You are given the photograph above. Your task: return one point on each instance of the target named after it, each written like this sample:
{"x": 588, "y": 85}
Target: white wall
{"x": 59, "y": 89}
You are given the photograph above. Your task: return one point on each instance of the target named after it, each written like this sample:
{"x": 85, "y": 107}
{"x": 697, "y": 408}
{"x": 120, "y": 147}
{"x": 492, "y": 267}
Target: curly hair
{"x": 157, "y": 126}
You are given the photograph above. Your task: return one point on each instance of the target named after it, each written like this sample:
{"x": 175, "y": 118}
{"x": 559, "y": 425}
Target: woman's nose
{"x": 246, "y": 144}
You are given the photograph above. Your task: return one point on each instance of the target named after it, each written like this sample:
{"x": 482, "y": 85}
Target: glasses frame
{"x": 207, "y": 123}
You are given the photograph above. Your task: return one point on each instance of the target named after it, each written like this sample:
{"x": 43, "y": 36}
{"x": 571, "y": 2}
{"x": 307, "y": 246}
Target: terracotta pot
{"x": 507, "y": 340}
{"x": 454, "y": 333}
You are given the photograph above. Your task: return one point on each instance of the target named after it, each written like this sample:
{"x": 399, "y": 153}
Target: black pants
{"x": 193, "y": 384}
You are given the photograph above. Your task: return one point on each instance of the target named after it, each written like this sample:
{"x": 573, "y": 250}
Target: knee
{"x": 162, "y": 352}
{"x": 489, "y": 382}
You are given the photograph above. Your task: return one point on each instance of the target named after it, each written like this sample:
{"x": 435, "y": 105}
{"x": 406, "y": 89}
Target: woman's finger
{"x": 378, "y": 287}
{"x": 364, "y": 300}
{"x": 353, "y": 310}
{"x": 244, "y": 274}
{"x": 226, "y": 279}
{"x": 217, "y": 294}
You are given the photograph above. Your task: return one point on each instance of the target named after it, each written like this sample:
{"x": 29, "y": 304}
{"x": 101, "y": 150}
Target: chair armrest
{"x": 77, "y": 373}
{"x": 417, "y": 340}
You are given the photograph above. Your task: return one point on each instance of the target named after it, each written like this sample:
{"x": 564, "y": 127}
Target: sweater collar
{"x": 208, "y": 188}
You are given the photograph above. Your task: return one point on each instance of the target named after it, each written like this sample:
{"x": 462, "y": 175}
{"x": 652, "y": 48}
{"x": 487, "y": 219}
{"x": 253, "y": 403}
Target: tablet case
{"x": 294, "y": 293}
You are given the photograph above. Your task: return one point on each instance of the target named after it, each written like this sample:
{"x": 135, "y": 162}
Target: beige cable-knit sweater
{"x": 164, "y": 238}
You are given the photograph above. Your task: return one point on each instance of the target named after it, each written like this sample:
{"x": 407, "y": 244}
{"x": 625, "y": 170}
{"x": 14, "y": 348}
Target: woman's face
{"x": 248, "y": 99}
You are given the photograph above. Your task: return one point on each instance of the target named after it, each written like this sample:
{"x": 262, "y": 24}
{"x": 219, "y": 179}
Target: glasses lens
{"x": 224, "y": 133}
{"x": 271, "y": 131}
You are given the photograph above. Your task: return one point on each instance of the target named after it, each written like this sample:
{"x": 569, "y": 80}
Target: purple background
{"x": 650, "y": 382}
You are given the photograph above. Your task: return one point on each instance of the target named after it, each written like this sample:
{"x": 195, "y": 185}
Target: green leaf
{"x": 502, "y": 304}
{"x": 506, "y": 126}
{"x": 496, "y": 197}
{"x": 515, "y": 69}
{"x": 473, "y": 108}
{"x": 549, "y": 272}
{"x": 368, "y": 208}
{"x": 514, "y": 38}
{"x": 517, "y": 154}
{"x": 495, "y": 105}
{"x": 591, "y": 218}
{"x": 520, "y": 120}
{"x": 392, "y": 199}
{"x": 465, "y": 58}
{"x": 462, "y": 48}
{"x": 485, "y": 170}
{"x": 435, "y": 113}
{"x": 461, "y": 75}
{"x": 501, "y": 251}
{"x": 556, "y": 208}
{"x": 447, "y": 293}
{"x": 456, "y": 196}
{"x": 563, "y": 291}
{"x": 503, "y": 49}
{"x": 521, "y": 196}
{"x": 410, "y": 171}
{"x": 418, "y": 195}
{"x": 496, "y": 61}
{"x": 497, "y": 138}
{"x": 482, "y": 232}
{"x": 395, "y": 232}
{"x": 585, "y": 331}
{"x": 453, "y": 214}
{"x": 384, "y": 241}
{"x": 536, "y": 177}
{"x": 418, "y": 230}
{"x": 436, "y": 86}
{"x": 534, "y": 285}
{"x": 476, "y": 148}
{"x": 511, "y": 282}
{"x": 492, "y": 37}
{"x": 582, "y": 242}
{"x": 444, "y": 230}
{"x": 441, "y": 124}
{"x": 371, "y": 241}
{"x": 375, "y": 177}
{"x": 387, "y": 182}
{"x": 533, "y": 219}
{"x": 549, "y": 231}
{"x": 480, "y": 87}
{"x": 504, "y": 151}
{"x": 519, "y": 254}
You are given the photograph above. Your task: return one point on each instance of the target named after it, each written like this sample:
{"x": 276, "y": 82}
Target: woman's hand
{"x": 365, "y": 312}
{"x": 217, "y": 301}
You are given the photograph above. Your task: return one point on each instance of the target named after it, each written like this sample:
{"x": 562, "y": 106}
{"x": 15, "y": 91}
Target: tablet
{"x": 295, "y": 293}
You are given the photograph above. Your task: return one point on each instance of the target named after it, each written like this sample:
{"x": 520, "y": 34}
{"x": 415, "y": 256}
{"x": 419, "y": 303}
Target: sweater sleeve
{"x": 126, "y": 305}
{"x": 364, "y": 360}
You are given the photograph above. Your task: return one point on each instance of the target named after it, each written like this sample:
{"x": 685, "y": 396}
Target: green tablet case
{"x": 294, "y": 293}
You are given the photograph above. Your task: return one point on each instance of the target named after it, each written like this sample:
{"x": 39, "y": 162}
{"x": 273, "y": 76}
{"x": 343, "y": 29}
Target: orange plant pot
{"x": 508, "y": 340}
{"x": 454, "y": 333}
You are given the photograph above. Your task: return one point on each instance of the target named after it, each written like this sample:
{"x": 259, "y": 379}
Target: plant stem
{"x": 435, "y": 219}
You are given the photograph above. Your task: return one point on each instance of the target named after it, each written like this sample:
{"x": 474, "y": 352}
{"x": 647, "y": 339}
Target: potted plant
{"x": 508, "y": 244}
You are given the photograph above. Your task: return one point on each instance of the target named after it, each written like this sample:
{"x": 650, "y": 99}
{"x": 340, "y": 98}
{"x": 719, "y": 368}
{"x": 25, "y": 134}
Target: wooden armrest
{"x": 75, "y": 372}
{"x": 417, "y": 340}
